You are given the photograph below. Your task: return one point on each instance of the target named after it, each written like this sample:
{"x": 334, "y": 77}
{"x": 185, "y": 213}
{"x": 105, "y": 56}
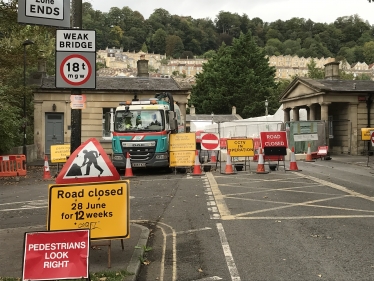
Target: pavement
{"x": 126, "y": 258}
{"x": 119, "y": 256}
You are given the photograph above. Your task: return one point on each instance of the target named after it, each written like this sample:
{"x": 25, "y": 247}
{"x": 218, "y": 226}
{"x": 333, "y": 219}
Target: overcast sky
{"x": 323, "y": 11}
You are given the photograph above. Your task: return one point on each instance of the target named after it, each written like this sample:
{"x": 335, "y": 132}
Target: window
{"x": 107, "y": 134}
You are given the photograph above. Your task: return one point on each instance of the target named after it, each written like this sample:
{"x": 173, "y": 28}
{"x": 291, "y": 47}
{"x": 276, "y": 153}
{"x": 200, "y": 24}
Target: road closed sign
{"x": 273, "y": 139}
{"x": 102, "y": 207}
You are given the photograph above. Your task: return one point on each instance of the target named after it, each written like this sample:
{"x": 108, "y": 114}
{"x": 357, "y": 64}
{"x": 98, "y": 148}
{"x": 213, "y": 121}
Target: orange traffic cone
{"x": 293, "y": 164}
{"x": 260, "y": 163}
{"x": 213, "y": 158}
{"x": 197, "y": 166}
{"x": 229, "y": 169}
{"x": 128, "y": 171}
{"x": 47, "y": 172}
{"x": 308, "y": 157}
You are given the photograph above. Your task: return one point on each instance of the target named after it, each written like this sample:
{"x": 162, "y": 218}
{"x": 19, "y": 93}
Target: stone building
{"x": 52, "y": 112}
{"x": 345, "y": 107}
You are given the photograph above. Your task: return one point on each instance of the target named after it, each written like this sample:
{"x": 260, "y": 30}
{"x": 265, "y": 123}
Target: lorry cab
{"x": 142, "y": 129}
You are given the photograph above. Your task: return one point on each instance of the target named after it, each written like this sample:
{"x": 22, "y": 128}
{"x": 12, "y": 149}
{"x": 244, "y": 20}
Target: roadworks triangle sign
{"x": 88, "y": 163}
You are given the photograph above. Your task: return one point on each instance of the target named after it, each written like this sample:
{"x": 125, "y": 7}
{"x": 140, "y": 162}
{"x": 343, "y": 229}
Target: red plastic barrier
{"x": 12, "y": 165}
{"x": 270, "y": 157}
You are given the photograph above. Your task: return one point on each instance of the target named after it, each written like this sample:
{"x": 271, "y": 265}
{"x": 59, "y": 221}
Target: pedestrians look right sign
{"x": 76, "y": 59}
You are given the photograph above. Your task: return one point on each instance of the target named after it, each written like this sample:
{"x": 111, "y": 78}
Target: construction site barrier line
{"x": 12, "y": 165}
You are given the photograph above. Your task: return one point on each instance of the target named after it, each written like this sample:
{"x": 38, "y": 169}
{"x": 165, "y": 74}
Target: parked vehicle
{"x": 142, "y": 129}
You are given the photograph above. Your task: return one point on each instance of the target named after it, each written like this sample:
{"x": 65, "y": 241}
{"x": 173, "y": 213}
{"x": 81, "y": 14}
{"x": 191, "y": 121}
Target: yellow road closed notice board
{"x": 183, "y": 142}
{"x": 241, "y": 147}
{"x": 102, "y": 207}
{"x": 365, "y": 134}
{"x": 182, "y": 158}
{"x": 59, "y": 153}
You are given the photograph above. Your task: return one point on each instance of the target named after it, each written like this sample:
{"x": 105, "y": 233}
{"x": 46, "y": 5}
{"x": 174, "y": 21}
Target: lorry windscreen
{"x": 139, "y": 120}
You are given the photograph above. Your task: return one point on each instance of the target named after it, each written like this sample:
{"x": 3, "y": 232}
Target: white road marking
{"x": 209, "y": 278}
{"x": 227, "y": 252}
{"x": 191, "y": 231}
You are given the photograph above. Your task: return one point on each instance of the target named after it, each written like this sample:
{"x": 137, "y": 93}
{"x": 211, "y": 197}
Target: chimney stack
{"x": 332, "y": 70}
{"x": 192, "y": 110}
{"x": 142, "y": 67}
{"x": 233, "y": 111}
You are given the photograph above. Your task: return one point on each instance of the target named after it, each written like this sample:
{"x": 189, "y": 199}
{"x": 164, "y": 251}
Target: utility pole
{"x": 76, "y": 114}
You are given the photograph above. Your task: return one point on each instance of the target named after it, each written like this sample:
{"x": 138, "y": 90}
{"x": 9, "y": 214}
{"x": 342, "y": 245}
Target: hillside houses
{"x": 124, "y": 64}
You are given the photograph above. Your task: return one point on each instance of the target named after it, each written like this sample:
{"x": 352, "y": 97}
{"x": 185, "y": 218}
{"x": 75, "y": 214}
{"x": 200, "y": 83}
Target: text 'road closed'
{"x": 101, "y": 207}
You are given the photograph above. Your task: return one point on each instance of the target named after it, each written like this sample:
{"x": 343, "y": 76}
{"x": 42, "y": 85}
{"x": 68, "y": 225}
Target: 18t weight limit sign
{"x": 75, "y": 70}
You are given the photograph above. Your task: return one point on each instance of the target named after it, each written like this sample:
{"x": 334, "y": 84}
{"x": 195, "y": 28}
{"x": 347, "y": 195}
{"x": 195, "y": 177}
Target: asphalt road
{"x": 316, "y": 224}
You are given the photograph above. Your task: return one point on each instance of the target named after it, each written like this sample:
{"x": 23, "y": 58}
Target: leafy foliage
{"x": 238, "y": 75}
{"x": 14, "y": 60}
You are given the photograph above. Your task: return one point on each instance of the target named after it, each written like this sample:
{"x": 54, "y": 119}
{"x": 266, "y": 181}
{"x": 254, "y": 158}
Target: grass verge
{"x": 107, "y": 275}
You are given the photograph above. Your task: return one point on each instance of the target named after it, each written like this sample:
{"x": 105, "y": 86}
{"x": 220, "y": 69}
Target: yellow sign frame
{"x": 182, "y": 158}
{"x": 102, "y": 207}
{"x": 182, "y": 142}
{"x": 241, "y": 147}
{"x": 59, "y": 153}
{"x": 365, "y": 134}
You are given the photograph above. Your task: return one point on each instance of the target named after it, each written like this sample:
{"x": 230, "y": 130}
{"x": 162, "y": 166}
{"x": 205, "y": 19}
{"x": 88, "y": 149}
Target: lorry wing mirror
{"x": 172, "y": 121}
{"x": 107, "y": 122}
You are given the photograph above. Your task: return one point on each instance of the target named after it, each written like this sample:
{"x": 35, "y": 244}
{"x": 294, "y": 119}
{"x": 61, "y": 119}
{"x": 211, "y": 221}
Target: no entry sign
{"x": 210, "y": 141}
{"x": 372, "y": 138}
{"x": 56, "y": 255}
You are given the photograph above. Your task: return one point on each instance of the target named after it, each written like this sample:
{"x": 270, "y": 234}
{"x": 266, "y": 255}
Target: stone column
{"x": 182, "y": 107}
{"x": 353, "y": 134}
{"x": 325, "y": 111}
{"x": 286, "y": 112}
{"x": 311, "y": 112}
{"x": 325, "y": 117}
{"x": 296, "y": 115}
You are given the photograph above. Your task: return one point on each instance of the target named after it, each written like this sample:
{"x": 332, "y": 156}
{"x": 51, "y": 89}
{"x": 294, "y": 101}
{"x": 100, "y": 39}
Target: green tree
{"x": 368, "y": 51}
{"x": 159, "y": 41}
{"x": 238, "y": 75}
{"x": 144, "y": 48}
{"x": 174, "y": 46}
{"x": 314, "y": 72}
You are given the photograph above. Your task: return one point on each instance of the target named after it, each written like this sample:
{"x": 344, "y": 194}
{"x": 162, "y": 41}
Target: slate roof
{"x": 127, "y": 83}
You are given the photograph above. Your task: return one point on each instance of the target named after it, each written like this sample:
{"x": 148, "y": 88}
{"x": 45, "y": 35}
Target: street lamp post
{"x": 26, "y": 43}
{"x": 266, "y": 107}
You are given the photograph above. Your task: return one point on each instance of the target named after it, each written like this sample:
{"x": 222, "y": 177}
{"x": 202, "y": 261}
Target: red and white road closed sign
{"x": 273, "y": 139}
{"x": 210, "y": 141}
{"x": 56, "y": 255}
{"x": 372, "y": 138}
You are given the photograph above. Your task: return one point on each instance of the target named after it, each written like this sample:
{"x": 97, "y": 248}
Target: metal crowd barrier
{"x": 12, "y": 165}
